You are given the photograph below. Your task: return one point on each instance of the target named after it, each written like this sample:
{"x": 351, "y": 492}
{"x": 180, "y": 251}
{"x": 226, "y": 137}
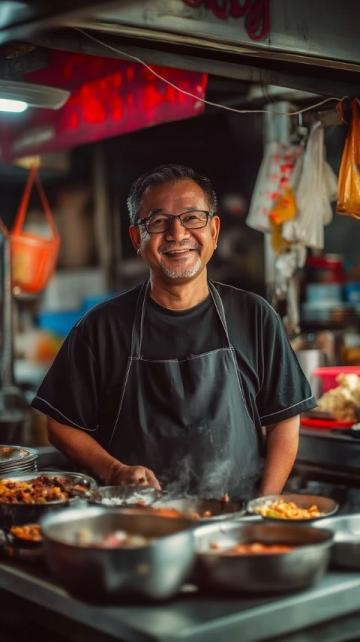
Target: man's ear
{"x": 134, "y": 233}
{"x": 215, "y": 228}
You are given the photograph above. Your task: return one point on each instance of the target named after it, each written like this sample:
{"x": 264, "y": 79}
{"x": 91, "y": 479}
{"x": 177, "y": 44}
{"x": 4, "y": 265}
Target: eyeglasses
{"x": 159, "y": 223}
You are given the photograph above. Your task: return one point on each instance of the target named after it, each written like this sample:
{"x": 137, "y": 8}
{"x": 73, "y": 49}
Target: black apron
{"x": 187, "y": 420}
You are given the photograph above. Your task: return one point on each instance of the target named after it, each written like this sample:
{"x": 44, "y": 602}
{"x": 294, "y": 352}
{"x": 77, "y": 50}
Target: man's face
{"x": 179, "y": 254}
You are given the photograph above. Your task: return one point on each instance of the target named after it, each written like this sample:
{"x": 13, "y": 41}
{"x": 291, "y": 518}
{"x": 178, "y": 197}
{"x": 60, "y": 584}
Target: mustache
{"x": 183, "y": 245}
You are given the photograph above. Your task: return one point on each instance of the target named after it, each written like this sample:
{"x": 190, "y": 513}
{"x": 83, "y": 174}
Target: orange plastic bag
{"x": 33, "y": 257}
{"x": 348, "y": 200}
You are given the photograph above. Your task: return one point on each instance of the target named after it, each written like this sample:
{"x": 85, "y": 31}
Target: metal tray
{"x": 268, "y": 573}
{"x": 346, "y": 548}
{"x": 17, "y": 459}
{"x": 16, "y": 514}
{"x": 11, "y": 454}
{"x": 326, "y": 505}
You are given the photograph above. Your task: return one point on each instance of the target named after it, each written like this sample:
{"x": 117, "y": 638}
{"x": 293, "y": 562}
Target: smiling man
{"x": 175, "y": 381}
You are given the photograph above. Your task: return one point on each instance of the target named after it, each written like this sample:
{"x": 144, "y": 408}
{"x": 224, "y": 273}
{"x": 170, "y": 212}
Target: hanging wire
{"x": 203, "y": 100}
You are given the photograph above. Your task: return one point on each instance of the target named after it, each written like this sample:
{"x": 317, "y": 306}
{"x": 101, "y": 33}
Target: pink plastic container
{"x": 328, "y": 375}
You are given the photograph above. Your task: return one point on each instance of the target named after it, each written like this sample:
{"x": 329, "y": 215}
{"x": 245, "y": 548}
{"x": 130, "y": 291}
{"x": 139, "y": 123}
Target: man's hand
{"x": 137, "y": 475}
{"x": 82, "y": 448}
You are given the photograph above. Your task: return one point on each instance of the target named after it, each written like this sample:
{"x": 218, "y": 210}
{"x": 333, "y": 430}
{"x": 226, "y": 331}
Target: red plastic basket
{"x": 33, "y": 257}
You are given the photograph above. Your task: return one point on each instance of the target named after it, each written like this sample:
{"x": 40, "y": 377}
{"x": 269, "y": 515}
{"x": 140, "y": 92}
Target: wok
{"x": 155, "y": 570}
{"x": 262, "y": 573}
{"x": 346, "y": 548}
{"x": 203, "y": 509}
{"x": 17, "y": 514}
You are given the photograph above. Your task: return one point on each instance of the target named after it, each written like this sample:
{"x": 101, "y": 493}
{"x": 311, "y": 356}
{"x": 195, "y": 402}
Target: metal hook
{"x": 344, "y": 109}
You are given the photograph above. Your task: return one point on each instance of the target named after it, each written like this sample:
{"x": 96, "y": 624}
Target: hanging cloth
{"x": 315, "y": 189}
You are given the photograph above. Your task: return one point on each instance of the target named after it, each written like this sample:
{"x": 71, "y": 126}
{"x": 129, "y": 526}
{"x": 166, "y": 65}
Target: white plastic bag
{"x": 274, "y": 176}
{"x": 316, "y": 188}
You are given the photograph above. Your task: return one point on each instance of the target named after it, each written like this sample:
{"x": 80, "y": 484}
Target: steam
{"x": 209, "y": 480}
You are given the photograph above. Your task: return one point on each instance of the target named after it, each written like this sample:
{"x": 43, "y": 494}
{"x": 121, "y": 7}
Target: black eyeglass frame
{"x": 171, "y": 217}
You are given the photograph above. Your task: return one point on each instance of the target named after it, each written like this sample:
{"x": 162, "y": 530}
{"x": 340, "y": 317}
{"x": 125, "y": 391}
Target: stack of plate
{"x": 17, "y": 459}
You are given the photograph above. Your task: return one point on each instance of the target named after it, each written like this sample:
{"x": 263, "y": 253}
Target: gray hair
{"x": 167, "y": 174}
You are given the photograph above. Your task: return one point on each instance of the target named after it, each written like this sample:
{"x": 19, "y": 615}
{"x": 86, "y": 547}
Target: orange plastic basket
{"x": 33, "y": 257}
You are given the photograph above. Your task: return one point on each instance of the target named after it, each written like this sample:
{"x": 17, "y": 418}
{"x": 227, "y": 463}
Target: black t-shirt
{"x": 83, "y": 386}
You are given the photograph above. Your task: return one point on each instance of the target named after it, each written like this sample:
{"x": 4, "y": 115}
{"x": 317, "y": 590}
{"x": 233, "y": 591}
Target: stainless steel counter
{"x": 193, "y": 617}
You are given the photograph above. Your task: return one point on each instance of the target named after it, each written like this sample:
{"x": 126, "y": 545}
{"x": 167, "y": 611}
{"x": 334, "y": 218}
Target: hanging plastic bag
{"x": 348, "y": 201}
{"x": 315, "y": 190}
{"x": 273, "y": 181}
{"x": 33, "y": 257}
{"x": 285, "y": 208}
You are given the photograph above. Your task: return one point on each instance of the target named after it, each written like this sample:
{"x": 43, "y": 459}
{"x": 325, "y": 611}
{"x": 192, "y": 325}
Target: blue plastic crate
{"x": 59, "y": 322}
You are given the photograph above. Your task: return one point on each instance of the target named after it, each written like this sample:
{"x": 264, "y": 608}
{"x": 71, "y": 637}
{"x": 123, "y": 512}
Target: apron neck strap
{"x": 138, "y": 325}
{"x": 219, "y": 306}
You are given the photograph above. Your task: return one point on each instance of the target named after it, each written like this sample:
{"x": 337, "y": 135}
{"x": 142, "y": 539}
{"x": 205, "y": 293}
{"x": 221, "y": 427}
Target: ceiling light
{"x": 16, "y": 106}
{"x": 34, "y": 95}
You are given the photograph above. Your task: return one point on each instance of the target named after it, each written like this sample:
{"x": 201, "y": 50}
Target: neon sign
{"x": 255, "y": 13}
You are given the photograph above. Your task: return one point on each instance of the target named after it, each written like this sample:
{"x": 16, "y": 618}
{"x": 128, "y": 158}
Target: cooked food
{"x": 252, "y": 548}
{"x": 281, "y": 509}
{"x": 167, "y": 512}
{"x": 27, "y": 532}
{"x": 343, "y": 401}
{"x": 6, "y": 451}
{"x": 225, "y": 498}
{"x": 174, "y": 512}
{"x": 41, "y": 490}
{"x": 120, "y": 501}
{"x": 115, "y": 539}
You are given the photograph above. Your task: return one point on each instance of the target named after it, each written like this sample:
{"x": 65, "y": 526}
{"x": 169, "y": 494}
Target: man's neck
{"x": 180, "y": 296}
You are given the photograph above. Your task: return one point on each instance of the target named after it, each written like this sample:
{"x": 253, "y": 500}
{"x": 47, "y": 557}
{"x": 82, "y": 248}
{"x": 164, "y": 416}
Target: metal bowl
{"x": 204, "y": 509}
{"x": 346, "y": 548}
{"x": 155, "y": 571}
{"x": 124, "y": 496}
{"x": 17, "y": 514}
{"x": 326, "y": 506}
{"x": 261, "y": 573}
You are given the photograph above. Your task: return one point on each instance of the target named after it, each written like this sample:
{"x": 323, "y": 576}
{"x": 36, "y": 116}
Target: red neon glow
{"x": 109, "y": 97}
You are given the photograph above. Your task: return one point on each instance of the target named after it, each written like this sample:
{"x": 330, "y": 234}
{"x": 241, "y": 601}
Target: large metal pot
{"x": 155, "y": 571}
{"x": 16, "y": 514}
{"x": 261, "y": 573}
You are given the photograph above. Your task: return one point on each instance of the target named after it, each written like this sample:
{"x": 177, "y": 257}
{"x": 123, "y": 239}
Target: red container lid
{"x": 334, "y": 371}
{"x": 328, "y": 375}
{"x": 327, "y": 261}
{"x": 326, "y": 424}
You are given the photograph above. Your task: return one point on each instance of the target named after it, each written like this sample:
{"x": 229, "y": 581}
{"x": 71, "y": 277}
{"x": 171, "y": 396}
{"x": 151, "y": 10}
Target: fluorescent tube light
{"x": 15, "y": 106}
